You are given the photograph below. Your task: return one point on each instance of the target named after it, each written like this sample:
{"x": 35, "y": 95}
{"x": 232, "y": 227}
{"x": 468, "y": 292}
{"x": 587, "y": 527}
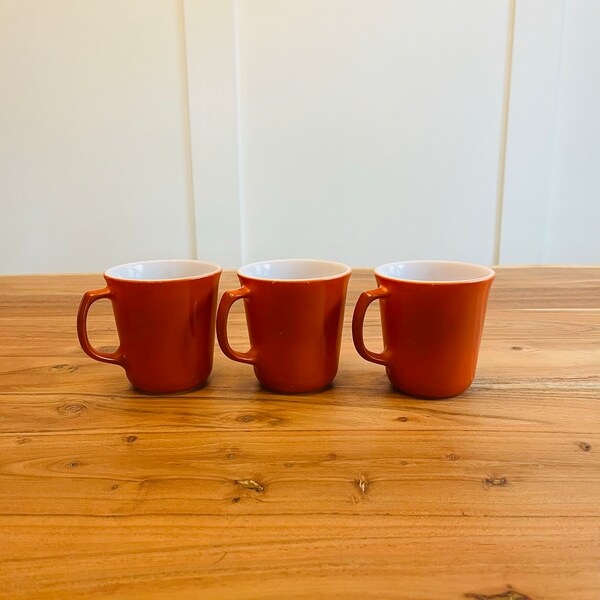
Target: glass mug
{"x": 294, "y": 311}
{"x": 165, "y": 316}
{"x": 432, "y": 315}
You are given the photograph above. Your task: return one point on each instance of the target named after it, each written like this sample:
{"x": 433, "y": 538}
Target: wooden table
{"x": 356, "y": 492}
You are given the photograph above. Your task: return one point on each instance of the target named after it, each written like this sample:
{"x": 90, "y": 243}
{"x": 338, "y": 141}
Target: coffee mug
{"x": 294, "y": 311}
{"x": 165, "y": 316}
{"x": 432, "y": 315}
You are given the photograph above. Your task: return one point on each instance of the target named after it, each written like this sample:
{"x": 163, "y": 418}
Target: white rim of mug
{"x": 215, "y": 269}
{"x": 347, "y": 270}
{"x": 490, "y": 275}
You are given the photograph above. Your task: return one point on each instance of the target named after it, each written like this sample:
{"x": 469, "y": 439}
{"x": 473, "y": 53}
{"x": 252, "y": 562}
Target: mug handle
{"x": 358, "y": 319}
{"x": 225, "y": 305}
{"x": 113, "y": 358}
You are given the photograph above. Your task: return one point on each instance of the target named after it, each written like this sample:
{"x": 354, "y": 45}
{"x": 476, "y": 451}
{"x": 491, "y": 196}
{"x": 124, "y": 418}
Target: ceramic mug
{"x": 432, "y": 315}
{"x": 165, "y": 316}
{"x": 294, "y": 310}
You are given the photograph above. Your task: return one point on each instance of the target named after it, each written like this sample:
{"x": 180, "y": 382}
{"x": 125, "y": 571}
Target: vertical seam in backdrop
{"x": 187, "y": 126}
{"x": 238, "y": 118}
{"x": 504, "y": 131}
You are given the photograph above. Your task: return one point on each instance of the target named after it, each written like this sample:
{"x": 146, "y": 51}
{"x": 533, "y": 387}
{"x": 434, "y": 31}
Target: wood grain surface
{"x": 356, "y": 492}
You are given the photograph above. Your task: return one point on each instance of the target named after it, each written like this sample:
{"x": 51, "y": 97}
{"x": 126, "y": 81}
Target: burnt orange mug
{"x": 294, "y": 311}
{"x": 165, "y": 316}
{"x": 432, "y": 315}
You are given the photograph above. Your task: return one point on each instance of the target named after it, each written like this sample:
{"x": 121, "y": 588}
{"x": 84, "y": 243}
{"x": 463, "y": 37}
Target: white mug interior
{"x": 163, "y": 270}
{"x": 295, "y": 269}
{"x": 435, "y": 271}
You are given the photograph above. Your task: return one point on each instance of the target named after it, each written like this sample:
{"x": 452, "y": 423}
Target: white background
{"x": 365, "y": 131}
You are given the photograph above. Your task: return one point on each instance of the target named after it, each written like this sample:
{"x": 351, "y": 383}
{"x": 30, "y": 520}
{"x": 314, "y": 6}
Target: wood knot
{"x": 236, "y": 499}
{"x": 494, "y": 482}
{"x": 403, "y": 419}
{"x": 585, "y": 446}
{"x": 23, "y": 440}
{"x": 363, "y": 484}
{"x": 250, "y": 484}
{"x": 510, "y": 594}
{"x": 115, "y": 486}
{"x": 452, "y": 457}
{"x": 288, "y": 465}
{"x": 73, "y": 464}
{"x": 130, "y": 439}
{"x": 73, "y": 409}
{"x": 517, "y": 347}
{"x": 245, "y": 418}
{"x": 63, "y": 368}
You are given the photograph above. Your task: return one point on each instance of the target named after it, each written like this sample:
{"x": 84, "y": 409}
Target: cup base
{"x": 429, "y": 396}
{"x": 272, "y": 390}
{"x": 169, "y": 392}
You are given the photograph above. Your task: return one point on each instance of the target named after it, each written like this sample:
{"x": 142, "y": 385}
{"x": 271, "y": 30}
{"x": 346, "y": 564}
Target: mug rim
{"x": 346, "y": 269}
{"x": 490, "y": 272}
{"x": 214, "y": 266}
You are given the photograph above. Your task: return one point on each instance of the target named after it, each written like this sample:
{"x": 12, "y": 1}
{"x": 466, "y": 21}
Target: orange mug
{"x": 295, "y": 311}
{"x": 165, "y": 316}
{"x": 432, "y": 315}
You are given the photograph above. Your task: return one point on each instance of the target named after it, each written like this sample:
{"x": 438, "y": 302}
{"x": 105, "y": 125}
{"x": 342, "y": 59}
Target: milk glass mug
{"x": 432, "y": 315}
{"x": 295, "y": 311}
{"x": 165, "y": 317}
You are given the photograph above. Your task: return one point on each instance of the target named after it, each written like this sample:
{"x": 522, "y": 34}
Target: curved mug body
{"x": 165, "y": 317}
{"x": 294, "y": 310}
{"x": 432, "y": 316}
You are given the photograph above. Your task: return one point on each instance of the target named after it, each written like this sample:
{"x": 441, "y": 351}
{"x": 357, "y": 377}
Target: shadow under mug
{"x": 432, "y": 315}
{"x": 294, "y": 311}
{"x": 165, "y": 316}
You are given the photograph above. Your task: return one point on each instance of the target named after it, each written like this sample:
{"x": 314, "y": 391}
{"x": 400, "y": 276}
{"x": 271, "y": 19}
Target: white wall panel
{"x": 237, "y": 130}
{"x": 370, "y": 130}
{"x": 533, "y": 103}
{"x": 552, "y": 185}
{"x": 211, "y": 60}
{"x": 93, "y": 162}
{"x": 573, "y": 229}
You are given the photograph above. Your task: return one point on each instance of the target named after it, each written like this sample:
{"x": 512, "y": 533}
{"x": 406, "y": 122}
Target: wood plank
{"x": 564, "y": 368}
{"x": 475, "y": 473}
{"x": 234, "y": 492}
{"x": 245, "y": 407}
{"x": 532, "y": 346}
{"x": 565, "y": 287}
{"x": 44, "y": 336}
{"x": 328, "y": 556}
{"x": 546, "y": 287}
